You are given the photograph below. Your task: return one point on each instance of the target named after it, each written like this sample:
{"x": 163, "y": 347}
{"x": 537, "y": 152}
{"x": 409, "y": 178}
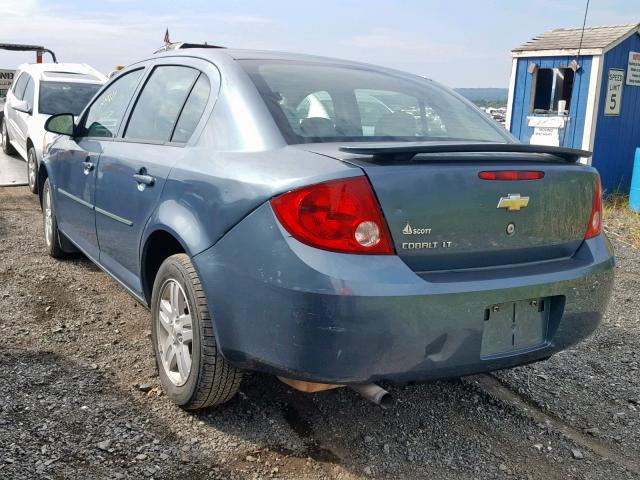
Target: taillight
{"x": 339, "y": 215}
{"x": 595, "y": 220}
{"x": 511, "y": 175}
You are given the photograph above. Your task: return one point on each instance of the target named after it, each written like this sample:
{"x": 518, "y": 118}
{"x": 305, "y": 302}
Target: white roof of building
{"x": 596, "y": 40}
{"x": 64, "y": 72}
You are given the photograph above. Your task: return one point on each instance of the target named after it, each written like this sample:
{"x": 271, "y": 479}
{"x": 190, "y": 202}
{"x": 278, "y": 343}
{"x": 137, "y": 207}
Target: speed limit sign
{"x": 614, "y": 92}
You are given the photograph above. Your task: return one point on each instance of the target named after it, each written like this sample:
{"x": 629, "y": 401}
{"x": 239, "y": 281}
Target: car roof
{"x": 241, "y": 54}
{"x": 247, "y": 54}
{"x": 63, "y": 72}
{"x": 220, "y": 53}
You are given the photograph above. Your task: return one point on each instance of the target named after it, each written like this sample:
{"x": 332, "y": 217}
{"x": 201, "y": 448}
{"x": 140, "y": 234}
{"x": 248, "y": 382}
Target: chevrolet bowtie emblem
{"x": 513, "y": 202}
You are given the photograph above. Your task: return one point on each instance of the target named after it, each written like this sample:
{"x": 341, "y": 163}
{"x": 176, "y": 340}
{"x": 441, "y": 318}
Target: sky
{"x": 461, "y": 43}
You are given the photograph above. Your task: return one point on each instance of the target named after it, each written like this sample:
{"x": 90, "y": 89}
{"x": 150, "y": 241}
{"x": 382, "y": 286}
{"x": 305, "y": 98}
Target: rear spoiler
{"x": 407, "y": 152}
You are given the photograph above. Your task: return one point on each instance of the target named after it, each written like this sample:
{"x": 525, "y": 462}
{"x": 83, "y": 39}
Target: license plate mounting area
{"x": 513, "y": 326}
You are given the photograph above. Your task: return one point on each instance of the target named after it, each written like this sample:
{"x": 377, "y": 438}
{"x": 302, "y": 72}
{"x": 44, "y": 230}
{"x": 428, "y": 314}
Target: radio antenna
{"x": 584, "y": 23}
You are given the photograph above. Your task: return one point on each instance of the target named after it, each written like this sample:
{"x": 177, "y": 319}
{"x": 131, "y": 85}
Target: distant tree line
{"x": 485, "y": 97}
{"x": 484, "y": 103}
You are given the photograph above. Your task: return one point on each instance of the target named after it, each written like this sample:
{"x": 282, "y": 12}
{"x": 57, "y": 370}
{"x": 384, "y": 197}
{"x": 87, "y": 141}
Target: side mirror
{"x": 61, "y": 123}
{"x": 22, "y": 106}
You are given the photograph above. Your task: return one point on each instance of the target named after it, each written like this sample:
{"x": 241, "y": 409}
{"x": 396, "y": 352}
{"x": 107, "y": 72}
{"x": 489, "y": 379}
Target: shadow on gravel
{"x": 431, "y": 430}
{"x": 445, "y": 429}
{"x": 60, "y": 419}
{"x": 82, "y": 261}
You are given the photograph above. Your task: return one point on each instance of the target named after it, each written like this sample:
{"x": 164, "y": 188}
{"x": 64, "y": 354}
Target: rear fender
{"x": 174, "y": 218}
{"x": 178, "y": 221}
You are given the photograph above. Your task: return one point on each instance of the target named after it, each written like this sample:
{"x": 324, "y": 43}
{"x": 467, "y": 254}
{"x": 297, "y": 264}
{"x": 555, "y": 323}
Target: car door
{"x": 22, "y": 118}
{"x": 76, "y": 161}
{"x": 15, "y": 94}
{"x": 133, "y": 170}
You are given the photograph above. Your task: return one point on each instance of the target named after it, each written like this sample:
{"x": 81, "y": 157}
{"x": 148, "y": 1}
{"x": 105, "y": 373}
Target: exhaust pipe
{"x": 374, "y": 393}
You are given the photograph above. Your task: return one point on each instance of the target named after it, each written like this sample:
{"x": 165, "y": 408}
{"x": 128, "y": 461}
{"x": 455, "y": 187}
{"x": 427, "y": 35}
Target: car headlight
{"x": 47, "y": 140}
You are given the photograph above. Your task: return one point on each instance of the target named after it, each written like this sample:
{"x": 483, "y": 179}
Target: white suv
{"x": 39, "y": 91}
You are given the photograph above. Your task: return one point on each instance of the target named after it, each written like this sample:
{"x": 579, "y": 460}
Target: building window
{"x": 550, "y": 87}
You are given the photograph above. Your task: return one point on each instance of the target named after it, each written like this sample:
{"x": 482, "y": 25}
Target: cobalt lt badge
{"x": 513, "y": 202}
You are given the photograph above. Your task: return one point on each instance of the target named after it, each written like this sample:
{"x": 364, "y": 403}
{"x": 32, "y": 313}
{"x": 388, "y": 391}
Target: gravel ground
{"x": 79, "y": 397}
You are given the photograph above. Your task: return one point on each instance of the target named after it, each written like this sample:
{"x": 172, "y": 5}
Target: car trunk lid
{"x": 443, "y": 216}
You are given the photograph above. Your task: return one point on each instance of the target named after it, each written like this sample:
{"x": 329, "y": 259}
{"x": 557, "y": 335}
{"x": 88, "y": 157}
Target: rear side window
{"x": 105, "y": 114}
{"x": 19, "y": 86}
{"x": 28, "y": 92}
{"x": 192, "y": 110}
{"x": 160, "y": 102}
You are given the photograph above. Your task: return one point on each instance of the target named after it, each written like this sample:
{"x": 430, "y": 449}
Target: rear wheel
{"x": 4, "y": 139}
{"x": 32, "y": 170}
{"x": 51, "y": 233}
{"x": 192, "y": 371}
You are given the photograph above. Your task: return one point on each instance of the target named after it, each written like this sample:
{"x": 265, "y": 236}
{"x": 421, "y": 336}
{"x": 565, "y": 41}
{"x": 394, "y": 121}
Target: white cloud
{"x": 241, "y": 19}
{"x": 20, "y": 8}
{"x": 392, "y": 44}
{"x": 105, "y": 40}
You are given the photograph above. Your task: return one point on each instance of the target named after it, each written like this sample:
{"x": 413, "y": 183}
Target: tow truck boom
{"x": 16, "y": 47}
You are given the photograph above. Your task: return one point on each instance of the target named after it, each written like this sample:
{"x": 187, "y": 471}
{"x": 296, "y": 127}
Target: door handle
{"x": 87, "y": 166}
{"x": 143, "y": 178}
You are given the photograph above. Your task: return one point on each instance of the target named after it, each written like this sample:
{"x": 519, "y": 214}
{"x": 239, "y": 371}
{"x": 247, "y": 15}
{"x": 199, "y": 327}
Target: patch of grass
{"x": 620, "y": 222}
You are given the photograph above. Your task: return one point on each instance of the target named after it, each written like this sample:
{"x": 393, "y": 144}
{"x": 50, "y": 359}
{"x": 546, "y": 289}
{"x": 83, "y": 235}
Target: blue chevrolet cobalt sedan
{"x": 329, "y": 222}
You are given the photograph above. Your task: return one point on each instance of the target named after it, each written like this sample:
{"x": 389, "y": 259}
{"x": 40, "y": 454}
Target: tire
{"x": 4, "y": 139}
{"x": 178, "y": 300}
{"x": 32, "y": 169}
{"x": 52, "y": 236}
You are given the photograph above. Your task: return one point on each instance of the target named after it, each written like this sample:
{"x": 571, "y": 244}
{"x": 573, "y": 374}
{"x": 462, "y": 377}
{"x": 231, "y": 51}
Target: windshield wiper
{"x": 407, "y": 152}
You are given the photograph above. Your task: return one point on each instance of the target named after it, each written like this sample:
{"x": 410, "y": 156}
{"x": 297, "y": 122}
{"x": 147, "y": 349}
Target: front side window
{"x": 315, "y": 102}
{"x": 314, "y": 116}
{"x": 387, "y": 113}
{"x": 160, "y": 102}
{"x": 29, "y": 91}
{"x": 104, "y": 116}
{"x": 20, "y": 84}
{"x": 65, "y": 97}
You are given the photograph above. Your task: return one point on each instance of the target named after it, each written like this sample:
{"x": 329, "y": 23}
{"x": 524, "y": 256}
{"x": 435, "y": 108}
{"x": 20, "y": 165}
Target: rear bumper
{"x": 282, "y": 307}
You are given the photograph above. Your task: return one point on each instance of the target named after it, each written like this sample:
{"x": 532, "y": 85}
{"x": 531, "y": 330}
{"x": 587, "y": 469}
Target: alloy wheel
{"x": 175, "y": 332}
{"x": 31, "y": 170}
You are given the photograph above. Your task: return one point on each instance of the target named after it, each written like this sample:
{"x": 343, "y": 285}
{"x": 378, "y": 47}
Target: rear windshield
{"x": 312, "y": 102}
{"x": 65, "y": 97}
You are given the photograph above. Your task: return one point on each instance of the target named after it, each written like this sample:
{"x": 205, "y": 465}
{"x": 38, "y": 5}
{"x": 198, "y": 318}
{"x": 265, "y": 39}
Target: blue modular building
{"x": 582, "y": 90}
